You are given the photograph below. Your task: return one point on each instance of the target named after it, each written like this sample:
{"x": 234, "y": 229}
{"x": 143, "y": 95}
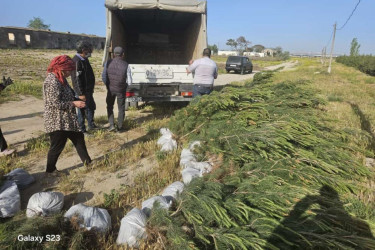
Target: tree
{"x": 242, "y": 43}
{"x": 232, "y": 43}
{"x": 258, "y": 48}
{"x": 213, "y": 48}
{"x": 354, "y": 48}
{"x": 38, "y": 23}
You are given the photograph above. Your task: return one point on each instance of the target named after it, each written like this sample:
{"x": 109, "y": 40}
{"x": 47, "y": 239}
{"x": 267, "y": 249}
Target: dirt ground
{"x": 23, "y": 120}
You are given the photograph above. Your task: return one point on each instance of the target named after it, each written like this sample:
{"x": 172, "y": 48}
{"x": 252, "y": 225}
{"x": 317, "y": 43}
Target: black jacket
{"x": 84, "y": 78}
{"x": 116, "y": 75}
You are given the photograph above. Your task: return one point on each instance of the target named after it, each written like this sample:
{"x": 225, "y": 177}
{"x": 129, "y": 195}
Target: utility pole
{"x": 332, "y": 46}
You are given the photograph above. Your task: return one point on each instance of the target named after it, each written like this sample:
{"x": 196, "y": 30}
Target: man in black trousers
{"x": 83, "y": 84}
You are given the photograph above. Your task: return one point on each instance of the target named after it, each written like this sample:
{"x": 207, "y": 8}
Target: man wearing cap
{"x": 116, "y": 76}
{"x": 205, "y": 71}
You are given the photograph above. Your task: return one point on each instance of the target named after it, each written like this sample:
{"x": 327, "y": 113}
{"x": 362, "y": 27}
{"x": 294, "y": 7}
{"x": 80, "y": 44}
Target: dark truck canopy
{"x": 157, "y": 31}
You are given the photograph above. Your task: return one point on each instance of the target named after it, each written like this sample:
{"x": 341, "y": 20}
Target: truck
{"x": 159, "y": 37}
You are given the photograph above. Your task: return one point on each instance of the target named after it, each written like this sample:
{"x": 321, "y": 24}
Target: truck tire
{"x": 228, "y": 71}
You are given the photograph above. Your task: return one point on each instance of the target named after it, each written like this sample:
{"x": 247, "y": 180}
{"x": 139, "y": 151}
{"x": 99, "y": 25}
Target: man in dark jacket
{"x": 83, "y": 84}
{"x": 116, "y": 76}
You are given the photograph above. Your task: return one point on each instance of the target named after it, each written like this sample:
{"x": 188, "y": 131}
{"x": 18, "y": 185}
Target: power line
{"x": 359, "y": 1}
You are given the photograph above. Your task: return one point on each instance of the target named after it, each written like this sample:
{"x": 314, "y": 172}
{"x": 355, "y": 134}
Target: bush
{"x": 365, "y": 63}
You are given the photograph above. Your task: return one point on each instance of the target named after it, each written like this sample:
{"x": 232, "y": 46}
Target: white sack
{"x": 172, "y": 191}
{"x": 165, "y": 131}
{"x": 148, "y": 204}
{"x": 170, "y": 145}
{"x": 21, "y": 177}
{"x": 186, "y": 157}
{"x": 133, "y": 228}
{"x": 188, "y": 174}
{"x": 91, "y": 217}
{"x": 44, "y": 204}
{"x": 10, "y": 201}
{"x": 164, "y": 139}
{"x": 203, "y": 167}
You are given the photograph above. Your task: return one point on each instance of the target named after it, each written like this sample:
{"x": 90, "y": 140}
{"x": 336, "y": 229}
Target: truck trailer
{"x": 159, "y": 37}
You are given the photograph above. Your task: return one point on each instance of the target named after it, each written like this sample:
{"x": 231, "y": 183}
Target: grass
{"x": 28, "y": 70}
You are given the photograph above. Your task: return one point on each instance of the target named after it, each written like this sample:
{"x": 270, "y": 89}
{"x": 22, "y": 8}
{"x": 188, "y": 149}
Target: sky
{"x": 295, "y": 25}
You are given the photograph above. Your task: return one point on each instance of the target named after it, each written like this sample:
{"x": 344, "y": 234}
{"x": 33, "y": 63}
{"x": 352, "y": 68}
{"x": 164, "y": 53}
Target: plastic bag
{"x": 133, "y": 228}
{"x": 21, "y": 177}
{"x": 92, "y": 217}
{"x": 168, "y": 146}
{"x": 203, "y": 167}
{"x": 188, "y": 174}
{"x": 172, "y": 191}
{"x": 166, "y": 141}
{"x": 186, "y": 157}
{"x": 188, "y": 160}
{"x": 148, "y": 204}
{"x": 44, "y": 204}
{"x": 165, "y": 131}
{"x": 10, "y": 201}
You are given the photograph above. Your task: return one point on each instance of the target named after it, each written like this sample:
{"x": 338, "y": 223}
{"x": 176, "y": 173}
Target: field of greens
{"x": 289, "y": 151}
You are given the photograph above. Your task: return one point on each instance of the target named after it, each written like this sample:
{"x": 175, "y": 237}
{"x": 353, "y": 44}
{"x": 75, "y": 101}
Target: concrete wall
{"x": 227, "y": 53}
{"x": 42, "y": 39}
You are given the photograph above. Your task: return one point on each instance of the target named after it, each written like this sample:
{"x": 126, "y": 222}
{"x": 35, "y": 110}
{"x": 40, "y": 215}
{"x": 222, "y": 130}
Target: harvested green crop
{"x": 288, "y": 179}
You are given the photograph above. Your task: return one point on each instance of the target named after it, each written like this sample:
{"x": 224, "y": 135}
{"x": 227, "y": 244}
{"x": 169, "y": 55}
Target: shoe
{"x": 120, "y": 130}
{"x": 7, "y": 152}
{"x": 111, "y": 128}
{"x": 93, "y": 126}
{"x": 57, "y": 173}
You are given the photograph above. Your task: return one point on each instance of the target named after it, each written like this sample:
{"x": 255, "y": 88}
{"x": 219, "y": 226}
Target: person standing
{"x": 60, "y": 118}
{"x": 205, "y": 71}
{"x": 3, "y": 143}
{"x": 83, "y": 84}
{"x": 116, "y": 76}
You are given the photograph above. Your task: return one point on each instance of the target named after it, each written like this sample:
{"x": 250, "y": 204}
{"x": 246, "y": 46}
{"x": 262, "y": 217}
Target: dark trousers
{"x": 111, "y": 97}
{"x": 87, "y": 113}
{"x": 58, "y": 140}
{"x": 201, "y": 89}
{"x": 3, "y": 142}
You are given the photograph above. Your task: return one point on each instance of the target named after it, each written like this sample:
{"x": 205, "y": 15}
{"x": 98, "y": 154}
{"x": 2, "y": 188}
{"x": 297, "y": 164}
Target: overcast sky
{"x": 295, "y": 25}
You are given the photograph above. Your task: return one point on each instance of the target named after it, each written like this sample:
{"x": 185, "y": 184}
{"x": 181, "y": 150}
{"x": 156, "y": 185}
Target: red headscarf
{"x": 60, "y": 63}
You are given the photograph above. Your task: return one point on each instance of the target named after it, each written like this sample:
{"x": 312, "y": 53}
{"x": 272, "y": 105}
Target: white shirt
{"x": 205, "y": 71}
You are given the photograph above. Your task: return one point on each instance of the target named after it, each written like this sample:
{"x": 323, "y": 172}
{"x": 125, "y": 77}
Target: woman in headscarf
{"x": 60, "y": 119}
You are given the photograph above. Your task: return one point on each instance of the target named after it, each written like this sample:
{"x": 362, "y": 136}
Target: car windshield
{"x": 234, "y": 59}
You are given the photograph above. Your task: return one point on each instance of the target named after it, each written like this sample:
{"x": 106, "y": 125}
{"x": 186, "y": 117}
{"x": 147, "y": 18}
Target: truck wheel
{"x": 228, "y": 71}
{"x": 242, "y": 71}
{"x": 251, "y": 70}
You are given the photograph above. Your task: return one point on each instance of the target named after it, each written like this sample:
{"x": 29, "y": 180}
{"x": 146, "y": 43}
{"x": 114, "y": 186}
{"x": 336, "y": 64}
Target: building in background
{"x": 227, "y": 53}
{"x": 25, "y": 38}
